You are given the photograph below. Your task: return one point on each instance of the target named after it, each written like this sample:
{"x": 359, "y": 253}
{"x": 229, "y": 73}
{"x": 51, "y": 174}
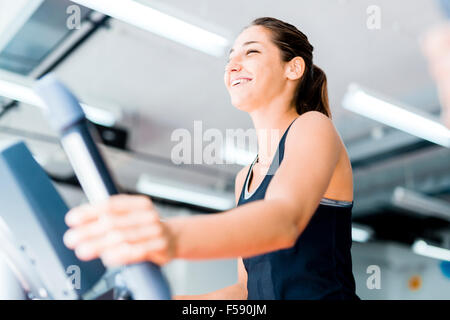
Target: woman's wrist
{"x": 174, "y": 226}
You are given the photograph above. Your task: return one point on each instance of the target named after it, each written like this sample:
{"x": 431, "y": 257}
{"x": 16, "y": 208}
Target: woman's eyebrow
{"x": 245, "y": 44}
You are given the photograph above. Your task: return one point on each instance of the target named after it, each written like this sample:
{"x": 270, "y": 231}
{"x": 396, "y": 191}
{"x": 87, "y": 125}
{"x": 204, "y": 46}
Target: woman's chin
{"x": 241, "y": 105}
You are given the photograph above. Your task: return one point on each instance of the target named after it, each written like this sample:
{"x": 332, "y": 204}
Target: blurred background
{"x": 142, "y": 81}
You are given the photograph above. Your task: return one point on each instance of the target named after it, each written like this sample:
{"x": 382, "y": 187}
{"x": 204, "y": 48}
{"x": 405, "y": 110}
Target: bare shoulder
{"x": 315, "y": 127}
{"x": 315, "y": 133}
{"x": 239, "y": 181}
{"x": 312, "y": 119}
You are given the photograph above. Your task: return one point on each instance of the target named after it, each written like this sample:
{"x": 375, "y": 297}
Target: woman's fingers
{"x": 93, "y": 247}
{"x": 82, "y": 214}
{"x": 124, "y": 254}
{"x": 154, "y": 250}
{"x": 124, "y": 229}
{"x": 122, "y": 203}
{"x": 136, "y": 218}
{"x": 116, "y": 205}
{"x": 75, "y": 236}
{"x": 108, "y": 223}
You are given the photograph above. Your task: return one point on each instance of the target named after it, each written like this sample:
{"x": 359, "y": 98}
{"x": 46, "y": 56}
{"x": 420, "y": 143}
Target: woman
{"x": 291, "y": 229}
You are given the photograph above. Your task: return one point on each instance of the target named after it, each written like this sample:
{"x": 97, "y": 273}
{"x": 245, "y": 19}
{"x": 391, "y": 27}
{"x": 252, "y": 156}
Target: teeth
{"x": 239, "y": 81}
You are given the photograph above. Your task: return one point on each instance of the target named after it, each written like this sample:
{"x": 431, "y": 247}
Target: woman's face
{"x": 255, "y": 73}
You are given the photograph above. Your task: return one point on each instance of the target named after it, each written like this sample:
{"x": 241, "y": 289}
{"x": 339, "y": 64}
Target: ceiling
{"x": 168, "y": 83}
{"x": 156, "y": 77}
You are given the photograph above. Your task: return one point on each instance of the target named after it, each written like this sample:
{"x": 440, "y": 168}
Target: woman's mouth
{"x": 240, "y": 81}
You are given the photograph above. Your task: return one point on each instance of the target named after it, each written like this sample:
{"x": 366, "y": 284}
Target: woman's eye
{"x": 248, "y": 52}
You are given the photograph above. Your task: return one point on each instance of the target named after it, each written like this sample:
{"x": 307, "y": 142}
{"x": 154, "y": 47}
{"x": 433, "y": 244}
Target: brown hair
{"x": 312, "y": 92}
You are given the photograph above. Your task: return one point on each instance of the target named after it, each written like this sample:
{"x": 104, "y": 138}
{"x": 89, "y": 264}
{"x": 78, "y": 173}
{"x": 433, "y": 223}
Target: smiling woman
{"x": 291, "y": 229}
{"x": 282, "y": 42}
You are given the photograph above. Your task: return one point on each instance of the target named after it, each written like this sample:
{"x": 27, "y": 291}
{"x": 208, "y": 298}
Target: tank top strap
{"x": 283, "y": 140}
{"x": 279, "y": 154}
{"x": 246, "y": 179}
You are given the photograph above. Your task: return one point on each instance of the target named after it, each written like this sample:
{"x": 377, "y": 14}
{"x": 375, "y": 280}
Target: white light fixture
{"x": 188, "y": 194}
{"x": 361, "y": 233}
{"x": 427, "y": 250}
{"x": 394, "y": 114}
{"x": 24, "y": 94}
{"x": 420, "y": 203}
{"x": 150, "y": 19}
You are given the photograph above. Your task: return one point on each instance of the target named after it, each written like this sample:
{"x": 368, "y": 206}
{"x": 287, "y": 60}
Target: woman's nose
{"x": 234, "y": 66}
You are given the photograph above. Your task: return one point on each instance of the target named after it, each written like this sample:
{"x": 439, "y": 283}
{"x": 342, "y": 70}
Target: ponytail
{"x": 312, "y": 93}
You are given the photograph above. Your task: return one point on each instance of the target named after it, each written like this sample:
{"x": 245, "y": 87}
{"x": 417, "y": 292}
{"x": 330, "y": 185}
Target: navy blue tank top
{"x": 318, "y": 266}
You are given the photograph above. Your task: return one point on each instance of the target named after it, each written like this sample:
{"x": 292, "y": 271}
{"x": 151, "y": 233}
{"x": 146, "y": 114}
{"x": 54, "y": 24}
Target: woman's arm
{"x": 253, "y": 228}
{"x": 127, "y": 229}
{"x": 311, "y": 155}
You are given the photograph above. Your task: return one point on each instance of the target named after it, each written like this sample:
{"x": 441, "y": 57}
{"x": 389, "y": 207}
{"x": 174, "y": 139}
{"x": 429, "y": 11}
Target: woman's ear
{"x": 295, "y": 68}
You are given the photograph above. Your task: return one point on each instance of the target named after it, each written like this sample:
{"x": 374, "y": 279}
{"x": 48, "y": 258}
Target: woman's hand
{"x": 436, "y": 46}
{"x": 123, "y": 230}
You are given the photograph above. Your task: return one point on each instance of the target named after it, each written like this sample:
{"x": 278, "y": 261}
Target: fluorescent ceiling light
{"x": 405, "y": 118}
{"x": 361, "y": 233}
{"x": 150, "y": 19}
{"x": 427, "y": 250}
{"x": 24, "y": 94}
{"x": 420, "y": 203}
{"x": 188, "y": 194}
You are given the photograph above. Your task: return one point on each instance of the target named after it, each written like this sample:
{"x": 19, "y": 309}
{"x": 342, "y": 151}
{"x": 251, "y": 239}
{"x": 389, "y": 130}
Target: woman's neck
{"x": 270, "y": 125}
